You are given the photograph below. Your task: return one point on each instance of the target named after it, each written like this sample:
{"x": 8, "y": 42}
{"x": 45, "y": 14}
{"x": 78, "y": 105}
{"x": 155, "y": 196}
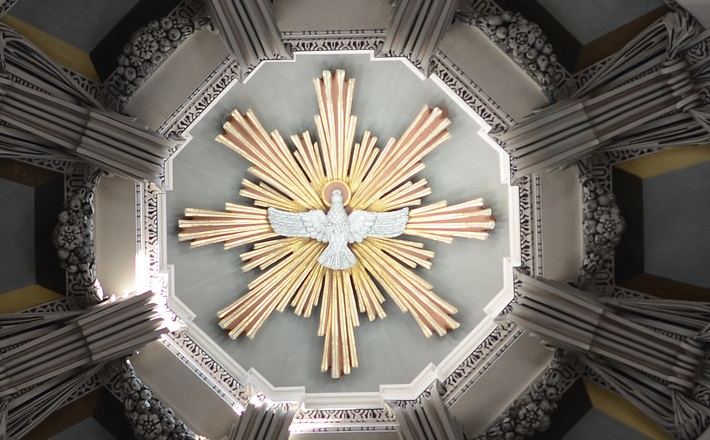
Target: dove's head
{"x": 336, "y": 196}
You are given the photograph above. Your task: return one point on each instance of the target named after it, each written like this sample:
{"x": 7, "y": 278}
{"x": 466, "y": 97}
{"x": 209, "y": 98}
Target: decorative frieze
{"x": 311, "y": 41}
{"x": 478, "y": 362}
{"x": 470, "y": 93}
{"x": 214, "y": 375}
{"x": 198, "y": 101}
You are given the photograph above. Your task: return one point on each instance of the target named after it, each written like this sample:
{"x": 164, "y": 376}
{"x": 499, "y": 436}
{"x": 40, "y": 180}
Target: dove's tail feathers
{"x": 337, "y": 257}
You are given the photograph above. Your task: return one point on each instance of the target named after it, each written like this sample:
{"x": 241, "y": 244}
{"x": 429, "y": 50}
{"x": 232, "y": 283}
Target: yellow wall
{"x": 624, "y": 411}
{"x": 26, "y": 297}
{"x": 61, "y": 52}
{"x": 666, "y": 160}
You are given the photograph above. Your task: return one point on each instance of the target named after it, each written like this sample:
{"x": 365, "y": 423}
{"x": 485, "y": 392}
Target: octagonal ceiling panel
{"x": 388, "y": 95}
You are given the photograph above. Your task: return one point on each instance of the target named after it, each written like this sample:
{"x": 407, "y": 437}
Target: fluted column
{"x": 648, "y": 95}
{"x": 42, "y": 346}
{"x": 3, "y": 419}
{"x": 654, "y": 355}
{"x": 26, "y": 64}
{"x": 416, "y": 28}
{"x": 427, "y": 420}
{"x": 20, "y": 144}
{"x": 109, "y": 141}
{"x": 49, "y": 114}
{"x": 47, "y": 357}
{"x": 26, "y": 411}
{"x": 249, "y": 30}
{"x": 262, "y": 423}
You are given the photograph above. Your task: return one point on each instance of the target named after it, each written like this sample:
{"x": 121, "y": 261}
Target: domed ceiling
{"x": 193, "y": 94}
{"x": 472, "y": 275}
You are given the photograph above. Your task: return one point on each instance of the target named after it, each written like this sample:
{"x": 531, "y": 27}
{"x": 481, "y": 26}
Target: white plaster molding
{"x": 343, "y": 400}
{"x": 514, "y": 220}
{"x": 469, "y": 343}
{"x": 373, "y": 58}
{"x": 412, "y": 390}
{"x": 506, "y": 294}
{"x": 174, "y": 303}
{"x": 277, "y": 394}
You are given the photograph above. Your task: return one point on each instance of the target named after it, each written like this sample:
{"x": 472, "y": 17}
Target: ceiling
{"x": 388, "y": 95}
{"x": 470, "y": 274}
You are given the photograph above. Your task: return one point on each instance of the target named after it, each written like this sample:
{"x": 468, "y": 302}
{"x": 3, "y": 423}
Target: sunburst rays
{"x": 294, "y": 180}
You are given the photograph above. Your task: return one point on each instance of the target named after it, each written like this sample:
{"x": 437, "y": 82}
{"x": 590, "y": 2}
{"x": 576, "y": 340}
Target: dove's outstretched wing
{"x": 299, "y": 224}
{"x": 377, "y": 224}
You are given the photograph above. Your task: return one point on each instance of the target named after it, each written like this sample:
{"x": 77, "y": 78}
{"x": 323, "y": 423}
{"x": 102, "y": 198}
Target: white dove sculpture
{"x": 338, "y": 229}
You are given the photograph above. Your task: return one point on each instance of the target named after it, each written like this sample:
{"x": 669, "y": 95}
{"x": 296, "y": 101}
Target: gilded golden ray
{"x": 294, "y": 180}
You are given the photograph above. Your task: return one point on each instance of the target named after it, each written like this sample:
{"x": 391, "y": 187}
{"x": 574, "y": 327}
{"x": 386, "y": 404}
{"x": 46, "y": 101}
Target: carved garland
{"x": 149, "y": 47}
{"x": 148, "y": 417}
{"x": 74, "y": 239}
{"x": 602, "y": 224}
{"x": 522, "y": 40}
{"x": 530, "y": 413}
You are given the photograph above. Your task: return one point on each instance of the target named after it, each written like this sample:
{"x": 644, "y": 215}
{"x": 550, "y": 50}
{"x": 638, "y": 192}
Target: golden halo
{"x": 336, "y": 184}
